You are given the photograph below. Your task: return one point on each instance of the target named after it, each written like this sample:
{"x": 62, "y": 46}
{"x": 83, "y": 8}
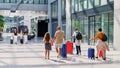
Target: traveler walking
{"x": 47, "y": 42}
{"x": 59, "y": 38}
{"x": 21, "y": 37}
{"x": 101, "y": 44}
{"x": 77, "y": 39}
{"x": 15, "y": 36}
{"x": 26, "y": 36}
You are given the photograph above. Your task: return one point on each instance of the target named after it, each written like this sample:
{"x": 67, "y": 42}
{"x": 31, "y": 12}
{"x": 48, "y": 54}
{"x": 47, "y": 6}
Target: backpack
{"x": 104, "y": 38}
{"x": 78, "y": 36}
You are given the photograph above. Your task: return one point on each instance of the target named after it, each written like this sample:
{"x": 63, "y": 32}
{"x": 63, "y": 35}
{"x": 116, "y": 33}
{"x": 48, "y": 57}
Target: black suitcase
{"x": 21, "y": 41}
{"x": 29, "y": 37}
{"x": 11, "y": 41}
{"x": 91, "y": 52}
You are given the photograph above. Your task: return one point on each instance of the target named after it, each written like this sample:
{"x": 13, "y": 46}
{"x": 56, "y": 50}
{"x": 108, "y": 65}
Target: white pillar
{"x": 59, "y": 13}
{"x": 68, "y": 20}
{"x": 117, "y": 24}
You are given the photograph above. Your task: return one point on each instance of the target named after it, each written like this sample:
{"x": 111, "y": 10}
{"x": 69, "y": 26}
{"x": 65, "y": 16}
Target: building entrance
{"x": 42, "y": 28}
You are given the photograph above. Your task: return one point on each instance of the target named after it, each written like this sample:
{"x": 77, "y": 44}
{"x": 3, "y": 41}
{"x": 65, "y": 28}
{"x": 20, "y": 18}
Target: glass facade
{"x": 80, "y": 5}
{"x": 15, "y": 19}
{"x": 90, "y": 4}
{"x": 54, "y": 16}
{"x": 63, "y": 14}
{"x": 1, "y": 1}
{"x": 72, "y": 6}
{"x": 63, "y": 4}
{"x": 97, "y": 2}
{"x": 26, "y": 1}
{"x": 7, "y": 1}
{"x": 103, "y": 2}
{"x": 13, "y": 1}
{"x": 54, "y": 10}
{"x": 89, "y": 24}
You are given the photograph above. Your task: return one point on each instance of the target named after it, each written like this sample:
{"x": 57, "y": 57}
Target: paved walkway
{"x": 32, "y": 56}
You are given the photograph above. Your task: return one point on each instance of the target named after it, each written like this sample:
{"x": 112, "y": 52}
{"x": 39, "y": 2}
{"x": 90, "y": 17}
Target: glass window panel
{"x": 30, "y": 1}
{"x": 111, "y": 0}
{"x": 97, "y": 2}
{"x": 72, "y": 2}
{"x": 41, "y": 1}
{"x": 111, "y": 24}
{"x": 105, "y": 23}
{"x": 1, "y": 1}
{"x": 103, "y": 2}
{"x": 90, "y": 3}
{"x": 56, "y": 9}
{"x": 25, "y": 1}
{"x": 7, "y": 1}
{"x": 85, "y": 4}
{"x": 97, "y": 23}
{"x": 36, "y": 1}
{"x": 76, "y": 5}
{"x": 81, "y": 5}
{"x": 63, "y": 7}
{"x": 13, "y": 1}
{"x": 46, "y": 1}
{"x": 17, "y": 1}
{"x": 85, "y": 33}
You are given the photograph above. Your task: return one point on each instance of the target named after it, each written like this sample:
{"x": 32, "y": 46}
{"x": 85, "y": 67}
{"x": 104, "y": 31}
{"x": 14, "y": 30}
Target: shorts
{"x": 58, "y": 45}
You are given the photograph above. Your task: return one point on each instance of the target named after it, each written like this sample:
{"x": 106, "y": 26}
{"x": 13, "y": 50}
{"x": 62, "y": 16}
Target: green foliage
{"x": 1, "y": 22}
{"x": 76, "y": 24}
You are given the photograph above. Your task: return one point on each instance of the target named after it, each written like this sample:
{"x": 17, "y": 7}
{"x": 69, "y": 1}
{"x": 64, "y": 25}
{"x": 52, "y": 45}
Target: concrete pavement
{"x": 32, "y": 56}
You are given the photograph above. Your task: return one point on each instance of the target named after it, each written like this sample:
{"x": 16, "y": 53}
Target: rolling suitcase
{"x": 69, "y": 47}
{"x": 100, "y": 53}
{"x": 91, "y": 52}
{"x": 11, "y": 41}
{"x": 21, "y": 41}
{"x": 64, "y": 51}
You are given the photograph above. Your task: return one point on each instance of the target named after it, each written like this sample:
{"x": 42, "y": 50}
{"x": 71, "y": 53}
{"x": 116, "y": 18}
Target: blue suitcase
{"x": 91, "y": 52}
{"x": 64, "y": 51}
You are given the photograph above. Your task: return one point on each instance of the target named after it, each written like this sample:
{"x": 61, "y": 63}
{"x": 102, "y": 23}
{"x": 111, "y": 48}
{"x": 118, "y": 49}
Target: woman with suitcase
{"x": 101, "y": 45}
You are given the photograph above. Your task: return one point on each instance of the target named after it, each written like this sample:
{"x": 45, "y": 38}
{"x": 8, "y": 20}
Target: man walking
{"x": 59, "y": 36}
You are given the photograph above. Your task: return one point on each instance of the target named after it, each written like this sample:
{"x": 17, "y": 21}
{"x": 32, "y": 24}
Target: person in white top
{"x": 21, "y": 37}
{"x": 26, "y": 36}
{"x": 77, "y": 42}
{"x": 15, "y": 36}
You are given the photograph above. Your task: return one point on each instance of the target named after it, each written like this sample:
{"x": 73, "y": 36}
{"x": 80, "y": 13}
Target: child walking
{"x": 47, "y": 42}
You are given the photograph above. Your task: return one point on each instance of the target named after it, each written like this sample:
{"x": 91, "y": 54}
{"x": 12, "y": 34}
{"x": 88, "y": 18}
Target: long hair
{"x": 47, "y": 37}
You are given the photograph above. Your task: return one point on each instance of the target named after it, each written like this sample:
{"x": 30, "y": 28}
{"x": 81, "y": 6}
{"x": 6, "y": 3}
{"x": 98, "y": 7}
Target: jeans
{"x": 78, "y": 50}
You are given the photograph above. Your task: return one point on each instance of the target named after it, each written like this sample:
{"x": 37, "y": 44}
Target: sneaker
{"x": 59, "y": 56}
{"x": 96, "y": 57}
{"x": 76, "y": 53}
{"x": 80, "y": 53}
{"x": 104, "y": 58}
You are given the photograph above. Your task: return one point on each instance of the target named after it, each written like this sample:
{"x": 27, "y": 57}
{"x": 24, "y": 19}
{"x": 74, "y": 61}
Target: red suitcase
{"x": 100, "y": 53}
{"x": 69, "y": 47}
